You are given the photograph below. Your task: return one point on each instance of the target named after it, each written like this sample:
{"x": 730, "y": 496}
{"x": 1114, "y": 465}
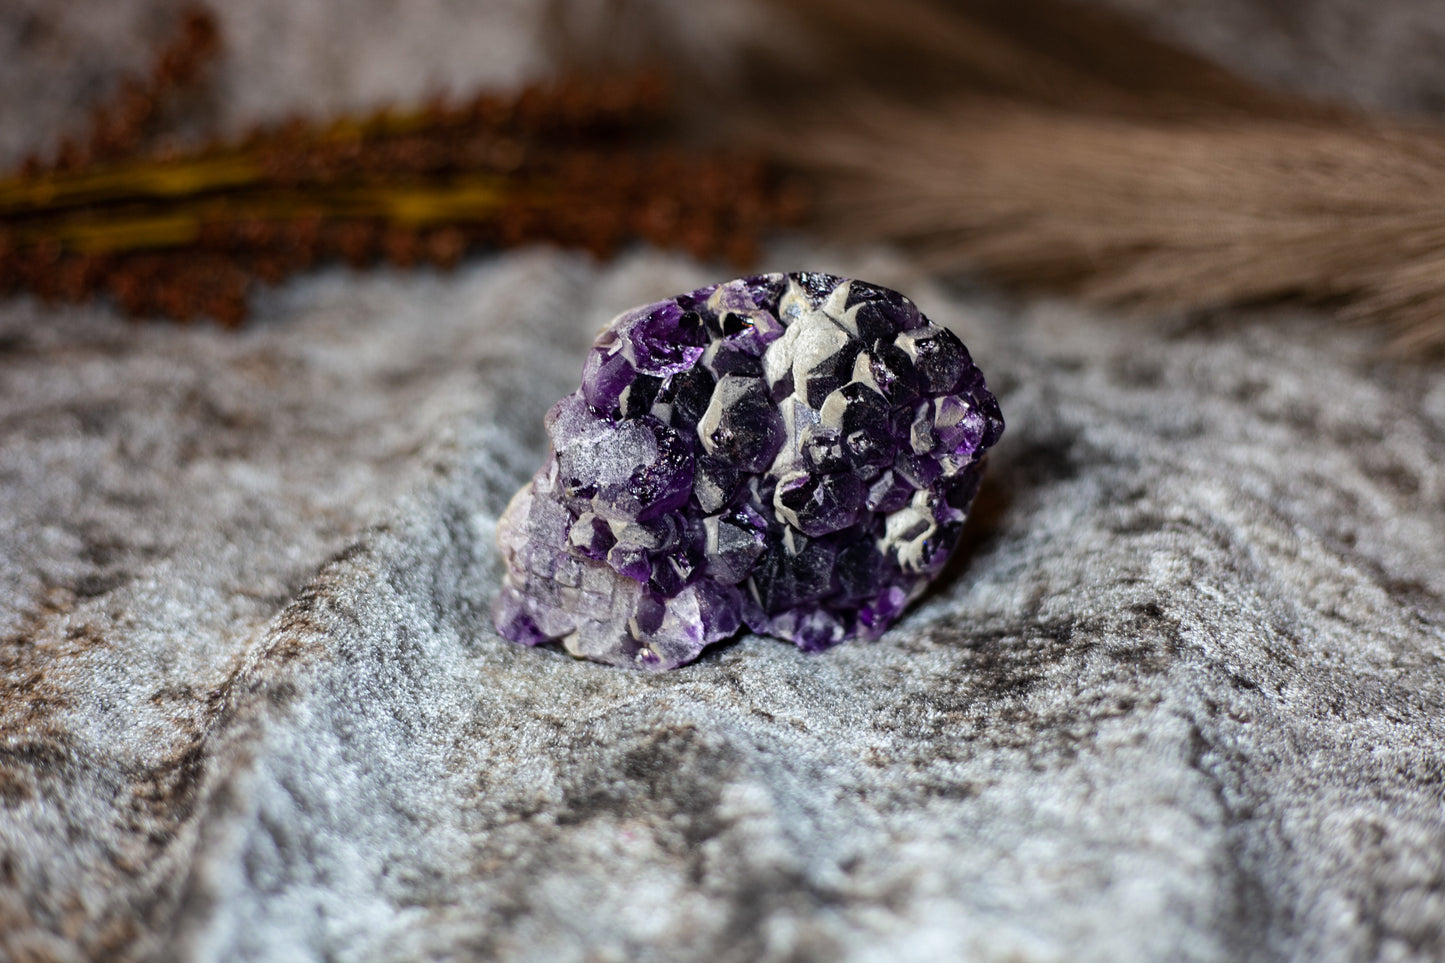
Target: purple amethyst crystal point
{"x": 791, "y": 452}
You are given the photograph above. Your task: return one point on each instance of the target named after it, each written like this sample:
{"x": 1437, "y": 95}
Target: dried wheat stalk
{"x": 1073, "y": 152}
{"x": 1055, "y": 144}
{"x": 1185, "y": 214}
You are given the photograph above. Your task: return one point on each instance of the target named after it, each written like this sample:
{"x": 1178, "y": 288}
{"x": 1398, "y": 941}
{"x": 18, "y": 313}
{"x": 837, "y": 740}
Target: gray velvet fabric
{"x": 1181, "y": 696}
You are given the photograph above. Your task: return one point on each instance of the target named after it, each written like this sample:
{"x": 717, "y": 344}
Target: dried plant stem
{"x": 585, "y": 164}
{"x": 464, "y": 200}
{"x": 571, "y": 163}
{"x": 137, "y": 180}
{"x": 1055, "y": 143}
{"x": 1149, "y": 213}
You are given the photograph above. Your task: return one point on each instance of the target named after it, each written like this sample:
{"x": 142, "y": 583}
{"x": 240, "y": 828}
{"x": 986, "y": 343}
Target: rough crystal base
{"x": 794, "y": 453}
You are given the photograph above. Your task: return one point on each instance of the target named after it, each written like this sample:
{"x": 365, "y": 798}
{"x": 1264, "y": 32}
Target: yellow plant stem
{"x": 465, "y": 199}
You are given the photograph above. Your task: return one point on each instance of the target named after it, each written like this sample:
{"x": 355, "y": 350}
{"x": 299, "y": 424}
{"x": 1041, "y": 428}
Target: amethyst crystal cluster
{"x": 794, "y": 453}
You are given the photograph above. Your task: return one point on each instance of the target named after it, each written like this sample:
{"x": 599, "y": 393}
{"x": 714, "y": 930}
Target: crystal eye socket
{"x": 794, "y": 453}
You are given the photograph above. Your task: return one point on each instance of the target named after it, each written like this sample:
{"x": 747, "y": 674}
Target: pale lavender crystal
{"x": 794, "y": 453}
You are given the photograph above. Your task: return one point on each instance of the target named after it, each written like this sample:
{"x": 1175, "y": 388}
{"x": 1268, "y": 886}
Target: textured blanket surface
{"x": 1181, "y": 695}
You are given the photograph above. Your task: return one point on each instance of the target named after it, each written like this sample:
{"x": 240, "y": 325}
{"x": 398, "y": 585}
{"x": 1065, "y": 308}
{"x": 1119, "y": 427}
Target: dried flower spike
{"x": 582, "y": 164}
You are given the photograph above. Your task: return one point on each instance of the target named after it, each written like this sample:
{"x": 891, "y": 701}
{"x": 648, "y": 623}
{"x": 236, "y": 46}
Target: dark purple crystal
{"x": 794, "y": 453}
